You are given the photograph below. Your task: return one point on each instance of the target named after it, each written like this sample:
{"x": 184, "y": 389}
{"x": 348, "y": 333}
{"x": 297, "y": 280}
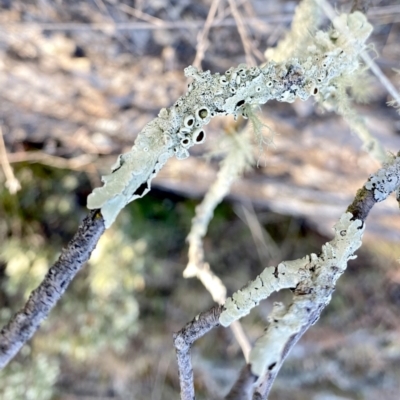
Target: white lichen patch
{"x": 316, "y": 281}
{"x": 181, "y": 126}
{"x": 269, "y": 348}
{"x": 285, "y": 276}
{"x": 289, "y": 274}
{"x": 385, "y": 181}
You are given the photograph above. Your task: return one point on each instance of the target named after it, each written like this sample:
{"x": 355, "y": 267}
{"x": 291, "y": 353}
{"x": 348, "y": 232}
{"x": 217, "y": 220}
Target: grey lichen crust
{"x": 312, "y": 294}
{"x": 385, "y": 181}
{"x": 291, "y": 274}
{"x": 285, "y": 276}
{"x": 178, "y": 128}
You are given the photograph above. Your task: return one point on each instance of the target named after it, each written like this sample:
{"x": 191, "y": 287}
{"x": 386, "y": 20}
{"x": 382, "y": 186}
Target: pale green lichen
{"x": 173, "y": 132}
{"x": 318, "y": 276}
{"x": 289, "y": 274}
{"x": 300, "y": 36}
{"x": 385, "y": 181}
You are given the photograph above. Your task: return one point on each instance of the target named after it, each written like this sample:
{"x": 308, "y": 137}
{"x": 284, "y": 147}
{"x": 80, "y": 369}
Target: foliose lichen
{"x": 181, "y": 126}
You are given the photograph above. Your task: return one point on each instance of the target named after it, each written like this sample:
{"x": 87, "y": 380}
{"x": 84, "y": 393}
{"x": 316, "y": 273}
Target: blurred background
{"x": 79, "y": 80}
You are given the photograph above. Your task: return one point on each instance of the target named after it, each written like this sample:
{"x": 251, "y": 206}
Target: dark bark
{"x": 26, "y": 321}
{"x": 360, "y": 5}
{"x": 183, "y": 341}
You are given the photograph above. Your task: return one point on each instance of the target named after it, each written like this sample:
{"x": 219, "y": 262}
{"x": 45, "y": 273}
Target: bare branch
{"x": 243, "y": 388}
{"x": 360, "y": 5}
{"x": 202, "y": 42}
{"x": 183, "y": 341}
{"x": 26, "y": 321}
{"x": 247, "y": 45}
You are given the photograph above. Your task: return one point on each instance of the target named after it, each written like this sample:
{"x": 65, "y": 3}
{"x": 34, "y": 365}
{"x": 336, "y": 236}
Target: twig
{"x": 265, "y": 250}
{"x": 202, "y": 42}
{"x": 243, "y": 33}
{"x": 26, "y": 321}
{"x": 237, "y": 160}
{"x": 12, "y": 183}
{"x": 80, "y": 163}
{"x": 141, "y": 15}
{"x": 381, "y": 77}
{"x": 240, "y": 336}
{"x": 183, "y": 341}
{"x": 109, "y": 26}
{"x": 313, "y": 288}
{"x": 376, "y": 14}
{"x": 306, "y": 300}
{"x": 243, "y": 388}
{"x": 360, "y": 5}
{"x": 330, "y": 12}
{"x": 235, "y": 163}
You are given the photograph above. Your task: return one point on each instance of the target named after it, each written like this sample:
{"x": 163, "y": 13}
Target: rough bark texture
{"x": 243, "y": 388}
{"x": 311, "y": 296}
{"x": 360, "y": 5}
{"x": 362, "y": 204}
{"x": 183, "y": 341}
{"x": 26, "y": 321}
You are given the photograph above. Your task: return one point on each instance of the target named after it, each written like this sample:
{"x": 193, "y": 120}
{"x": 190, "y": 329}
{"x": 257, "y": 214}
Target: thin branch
{"x": 331, "y": 14}
{"x": 183, "y": 341}
{"x": 381, "y": 76}
{"x": 26, "y": 321}
{"x": 267, "y": 249}
{"x": 376, "y": 14}
{"x": 240, "y": 336}
{"x": 238, "y": 159}
{"x": 360, "y": 5}
{"x": 306, "y": 300}
{"x": 141, "y": 15}
{"x": 134, "y": 26}
{"x": 243, "y": 33}
{"x": 79, "y": 163}
{"x": 243, "y": 388}
{"x": 12, "y": 183}
{"x": 202, "y": 42}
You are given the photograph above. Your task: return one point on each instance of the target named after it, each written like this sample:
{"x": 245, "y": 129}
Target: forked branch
{"x": 312, "y": 279}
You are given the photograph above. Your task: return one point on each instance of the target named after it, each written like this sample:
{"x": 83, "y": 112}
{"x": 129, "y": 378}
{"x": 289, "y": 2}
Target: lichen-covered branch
{"x": 330, "y": 58}
{"x": 311, "y": 295}
{"x": 26, "y": 321}
{"x": 304, "y": 25}
{"x": 312, "y": 279}
{"x": 372, "y": 65}
{"x": 314, "y": 291}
